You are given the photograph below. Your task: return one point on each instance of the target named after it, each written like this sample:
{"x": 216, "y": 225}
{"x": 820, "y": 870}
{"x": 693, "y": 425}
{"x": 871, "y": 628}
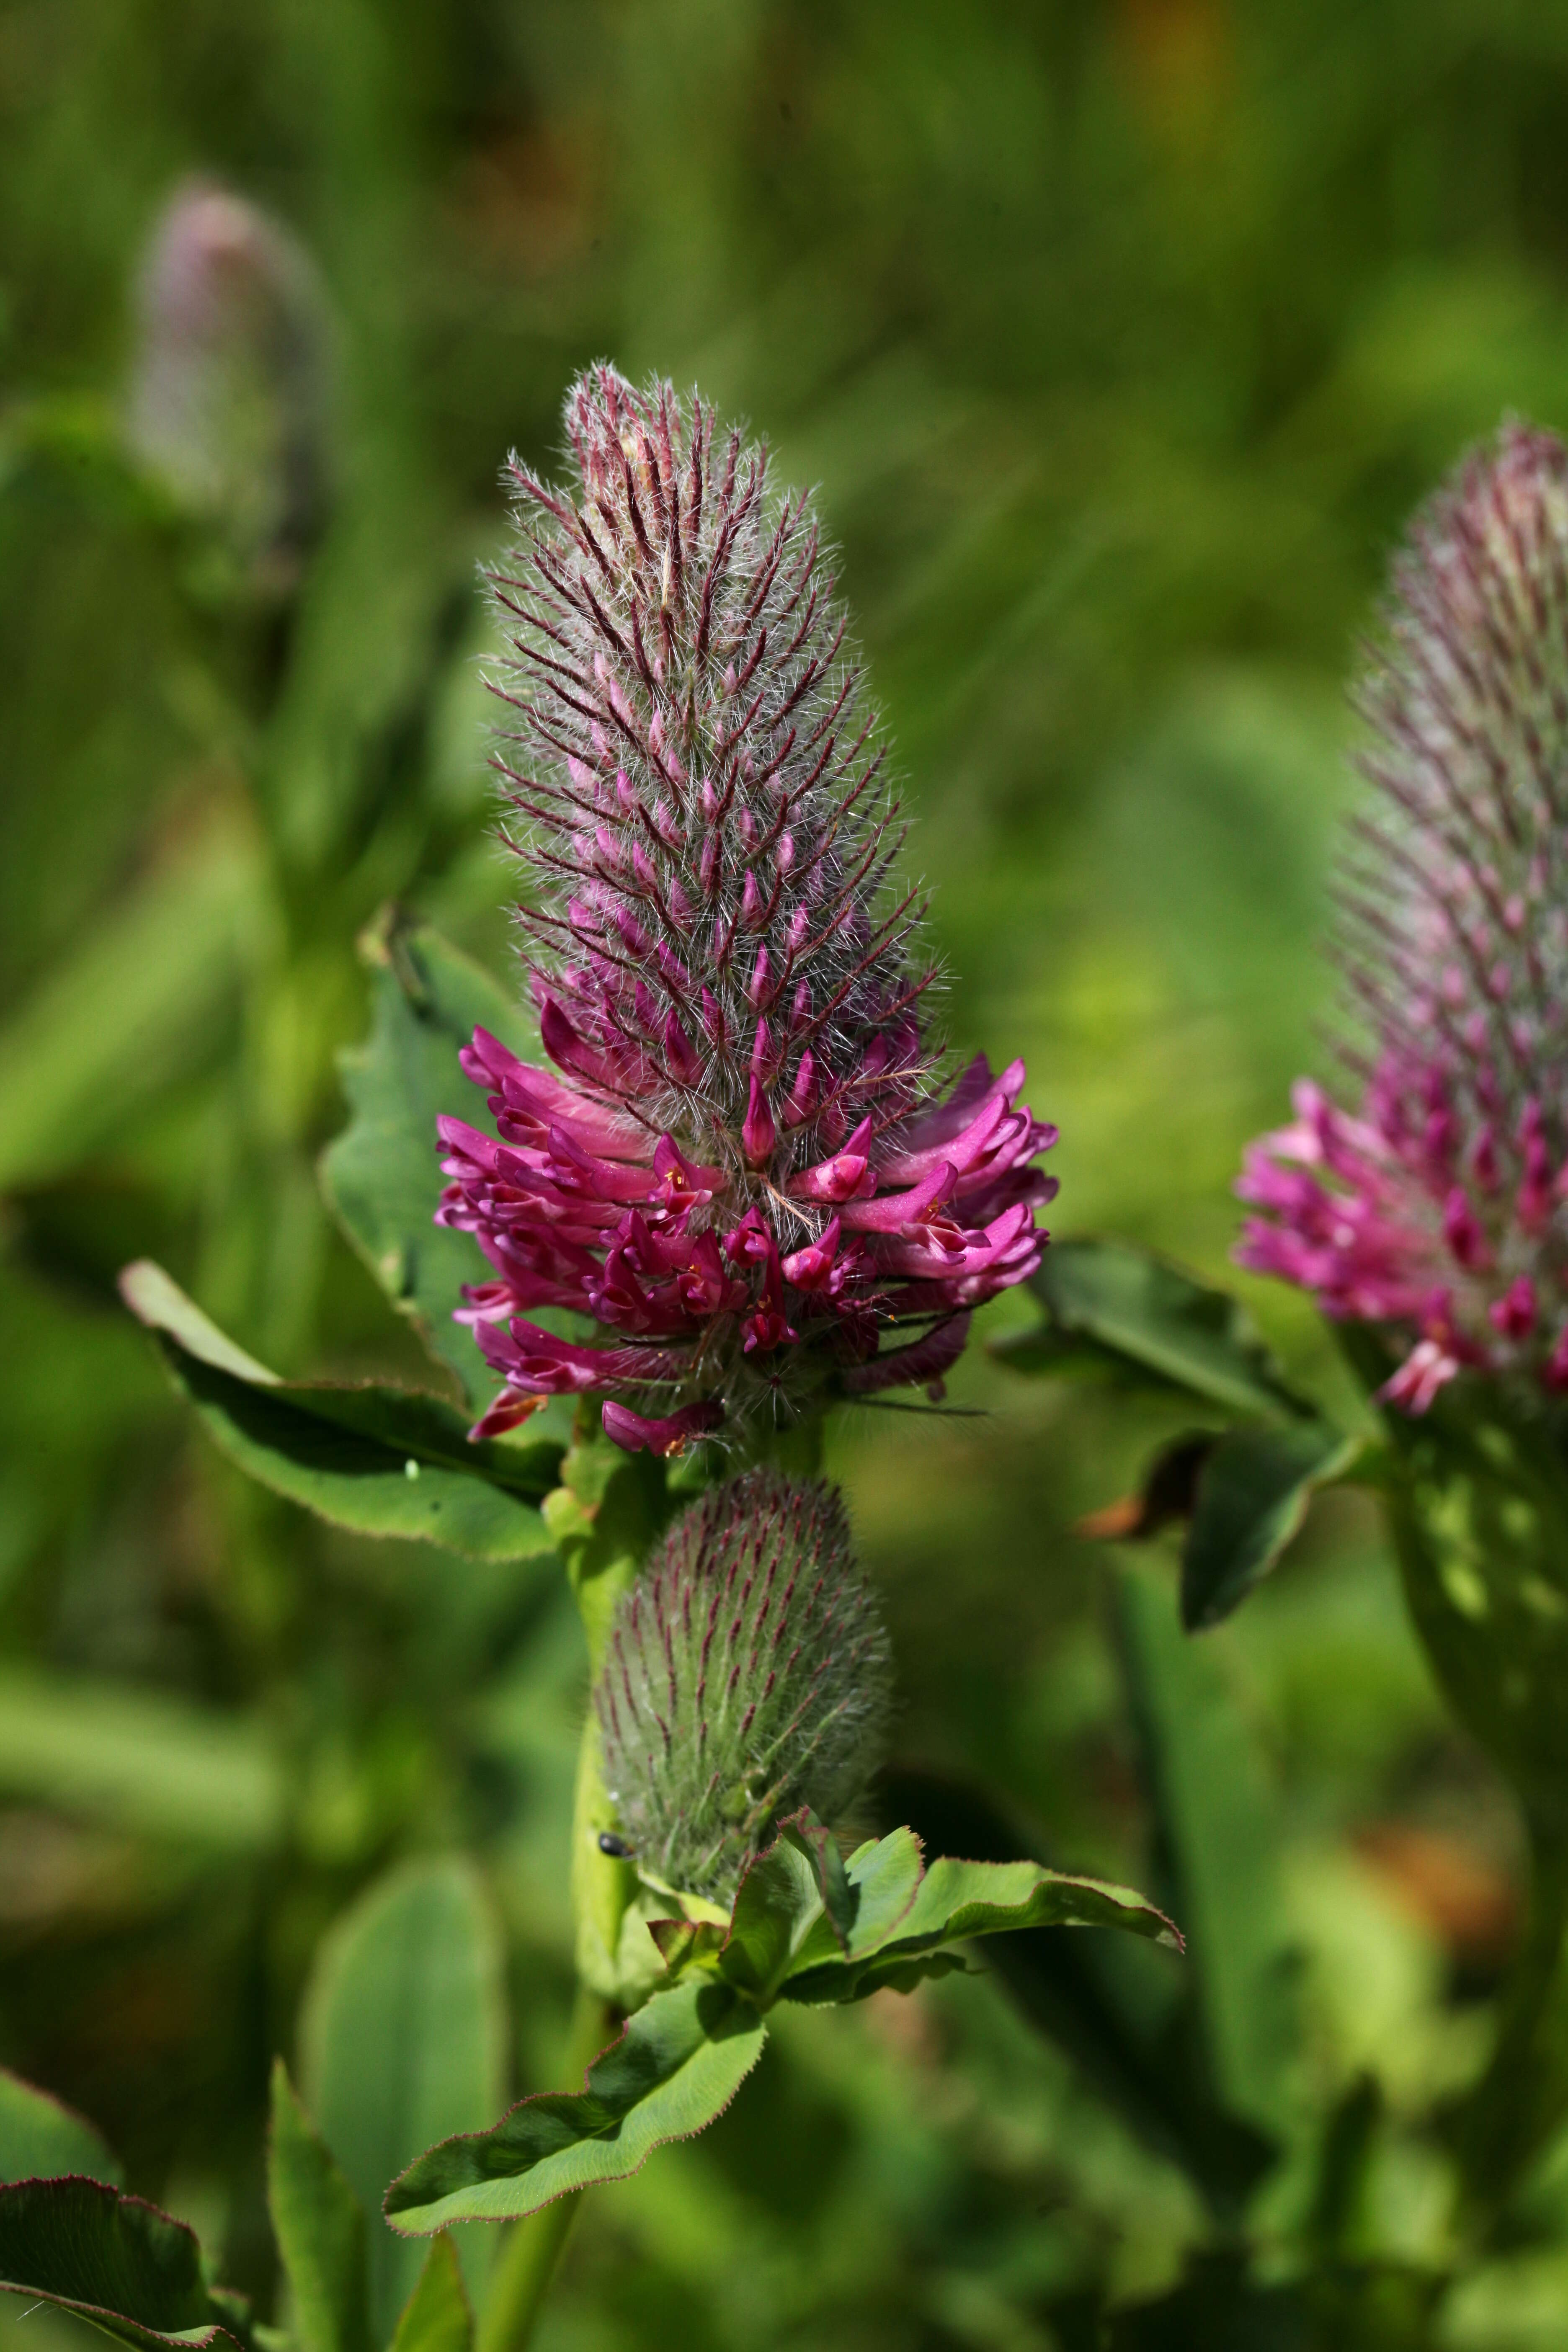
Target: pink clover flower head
{"x": 1437, "y": 1207}
{"x": 739, "y": 1170}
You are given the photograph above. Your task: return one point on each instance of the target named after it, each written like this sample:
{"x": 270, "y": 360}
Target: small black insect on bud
{"x": 748, "y": 1674}
{"x": 615, "y": 1847}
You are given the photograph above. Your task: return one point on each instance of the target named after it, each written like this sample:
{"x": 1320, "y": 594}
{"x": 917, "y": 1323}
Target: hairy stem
{"x": 532, "y": 2249}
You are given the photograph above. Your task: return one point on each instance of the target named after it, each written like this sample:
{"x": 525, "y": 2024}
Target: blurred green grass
{"x": 1119, "y": 338}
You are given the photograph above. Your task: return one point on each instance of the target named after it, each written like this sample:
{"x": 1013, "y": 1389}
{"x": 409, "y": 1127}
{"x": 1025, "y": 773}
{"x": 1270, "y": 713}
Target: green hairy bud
{"x": 748, "y": 1674}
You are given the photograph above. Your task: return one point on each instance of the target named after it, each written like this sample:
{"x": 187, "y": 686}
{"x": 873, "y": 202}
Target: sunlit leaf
{"x": 906, "y": 1930}
{"x": 382, "y": 1176}
{"x": 320, "y": 2226}
{"x": 41, "y": 2139}
{"x": 403, "y": 2040}
{"x": 381, "y": 1460}
{"x": 676, "y": 2066}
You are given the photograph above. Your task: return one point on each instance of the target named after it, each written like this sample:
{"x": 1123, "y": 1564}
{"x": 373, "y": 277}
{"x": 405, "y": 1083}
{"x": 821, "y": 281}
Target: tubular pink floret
{"x": 1437, "y": 1209}
{"x": 737, "y": 1170}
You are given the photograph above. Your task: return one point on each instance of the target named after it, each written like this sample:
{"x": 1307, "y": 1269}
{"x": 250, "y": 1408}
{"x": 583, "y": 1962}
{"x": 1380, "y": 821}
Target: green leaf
{"x": 404, "y": 2040}
{"x": 382, "y": 1176}
{"x": 958, "y": 1899}
{"x": 793, "y": 1900}
{"x": 1126, "y": 1315}
{"x": 437, "y": 2316}
{"x": 156, "y": 1299}
{"x": 903, "y": 1930}
{"x": 381, "y": 1460}
{"x": 677, "y": 2064}
{"x": 150, "y": 981}
{"x": 319, "y": 2223}
{"x": 112, "y": 2258}
{"x": 683, "y": 1943}
{"x": 884, "y": 1877}
{"x": 1253, "y": 1491}
{"x": 1217, "y": 1843}
{"x": 40, "y": 2139}
{"x": 142, "y": 1762}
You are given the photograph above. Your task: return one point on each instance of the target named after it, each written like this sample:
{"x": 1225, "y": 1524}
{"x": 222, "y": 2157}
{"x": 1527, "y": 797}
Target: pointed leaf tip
{"x": 319, "y": 2226}
{"x": 345, "y": 1452}
{"x": 438, "y": 2316}
{"x": 1253, "y": 1492}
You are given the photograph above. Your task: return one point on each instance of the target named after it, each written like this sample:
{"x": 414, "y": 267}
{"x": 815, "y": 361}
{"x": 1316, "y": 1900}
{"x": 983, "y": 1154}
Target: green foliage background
{"x": 1120, "y": 339}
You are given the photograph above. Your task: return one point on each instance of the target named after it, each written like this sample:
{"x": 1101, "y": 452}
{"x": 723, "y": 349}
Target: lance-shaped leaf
{"x": 41, "y": 2139}
{"x": 1124, "y": 1314}
{"x": 382, "y": 1177}
{"x": 437, "y": 2316}
{"x": 1253, "y": 1492}
{"x": 676, "y": 2065}
{"x": 381, "y": 1460}
{"x": 1217, "y": 1844}
{"x": 319, "y": 2223}
{"x": 403, "y": 2038}
{"x": 114, "y": 2260}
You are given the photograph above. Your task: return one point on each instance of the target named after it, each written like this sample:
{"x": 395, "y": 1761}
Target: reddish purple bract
{"x": 1437, "y": 1208}
{"x": 737, "y": 1169}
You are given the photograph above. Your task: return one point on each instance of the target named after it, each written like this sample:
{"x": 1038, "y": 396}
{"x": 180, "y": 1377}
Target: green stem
{"x": 532, "y": 2249}
{"x": 1520, "y": 2097}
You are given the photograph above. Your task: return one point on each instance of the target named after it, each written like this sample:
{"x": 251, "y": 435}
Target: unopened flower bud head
{"x": 1436, "y": 1207}
{"x": 230, "y": 391}
{"x": 748, "y": 1674}
{"x": 739, "y": 1169}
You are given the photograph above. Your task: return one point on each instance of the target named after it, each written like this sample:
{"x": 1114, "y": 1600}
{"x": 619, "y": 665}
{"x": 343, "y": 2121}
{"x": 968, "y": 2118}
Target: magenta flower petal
{"x": 670, "y": 1435}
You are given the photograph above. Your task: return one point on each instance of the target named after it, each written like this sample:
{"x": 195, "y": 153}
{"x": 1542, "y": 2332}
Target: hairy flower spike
{"x": 725, "y": 980}
{"x": 1437, "y": 1207}
{"x": 748, "y": 1674}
